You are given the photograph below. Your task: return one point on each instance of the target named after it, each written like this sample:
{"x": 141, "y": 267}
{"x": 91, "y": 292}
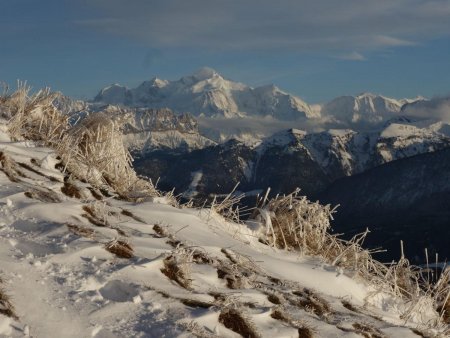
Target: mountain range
{"x": 207, "y": 93}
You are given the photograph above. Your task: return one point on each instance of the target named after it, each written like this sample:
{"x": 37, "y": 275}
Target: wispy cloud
{"x": 353, "y": 56}
{"x": 327, "y": 25}
{"x": 389, "y": 41}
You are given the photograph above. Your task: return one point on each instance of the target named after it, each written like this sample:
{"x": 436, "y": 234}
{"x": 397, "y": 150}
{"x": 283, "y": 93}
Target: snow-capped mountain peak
{"x": 205, "y": 73}
{"x": 156, "y": 82}
{"x": 208, "y": 93}
{"x": 364, "y": 108}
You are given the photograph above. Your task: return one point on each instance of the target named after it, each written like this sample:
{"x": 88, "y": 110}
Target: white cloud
{"x": 353, "y": 56}
{"x": 436, "y": 108}
{"x": 389, "y": 41}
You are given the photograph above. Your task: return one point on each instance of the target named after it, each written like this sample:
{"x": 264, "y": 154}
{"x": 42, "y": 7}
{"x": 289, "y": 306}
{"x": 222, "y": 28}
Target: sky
{"x": 317, "y": 49}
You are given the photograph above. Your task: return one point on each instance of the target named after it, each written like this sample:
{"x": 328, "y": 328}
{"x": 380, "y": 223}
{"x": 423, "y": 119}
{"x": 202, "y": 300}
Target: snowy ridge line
{"x": 87, "y": 261}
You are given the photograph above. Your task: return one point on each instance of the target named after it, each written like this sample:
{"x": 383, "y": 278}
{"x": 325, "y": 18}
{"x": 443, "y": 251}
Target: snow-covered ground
{"x": 64, "y": 283}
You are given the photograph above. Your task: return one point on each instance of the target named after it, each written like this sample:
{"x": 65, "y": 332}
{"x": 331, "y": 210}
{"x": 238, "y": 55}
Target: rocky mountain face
{"x": 290, "y": 159}
{"x": 207, "y": 93}
{"x": 160, "y": 129}
{"x": 407, "y": 200}
{"x": 146, "y": 130}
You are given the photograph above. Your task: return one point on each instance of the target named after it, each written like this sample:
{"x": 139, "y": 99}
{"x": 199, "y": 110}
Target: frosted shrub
{"x": 33, "y": 117}
{"x": 293, "y": 222}
{"x": 93, "y": 150}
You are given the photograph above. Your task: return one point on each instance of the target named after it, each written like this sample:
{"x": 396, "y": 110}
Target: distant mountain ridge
{"x": 207, "y": 93}
{"x": 365, "y": 108}
{"x": 294, "y": 158}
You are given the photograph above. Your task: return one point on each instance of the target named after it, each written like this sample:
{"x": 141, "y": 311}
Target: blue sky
{"x": 315, "y": 49}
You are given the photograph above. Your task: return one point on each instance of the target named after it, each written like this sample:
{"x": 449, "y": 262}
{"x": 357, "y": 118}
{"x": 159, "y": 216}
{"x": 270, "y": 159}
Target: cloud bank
{"x": 437, "y": 108}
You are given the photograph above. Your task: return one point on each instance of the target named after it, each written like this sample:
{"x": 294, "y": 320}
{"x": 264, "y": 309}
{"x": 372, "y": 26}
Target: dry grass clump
{"x": 305, "y": 331}
{"x": 93, "y": 151}
{"x": 228, "y": 207}
{"x": 405, "y": 278}
{"x": 6, "y": 307}
{"x": 349, "y": 306}
{"x": 197, "y": 330}
{"x": 236, "y": 275}
{"x": 275, "y": 298}
{"x": 47, "y": 196}
{"x": 9, "y": 167}
{"x": 128, "y": 213}
{"x": 97, "y": 213}
{"x": 96, "y": 193}
{"x": 444, "y": 309}
{"x": 120, "y": 248}
{"x": 30, "y": 168}
{"x": 177, "y": 267}
{"x": 81, "y": 231}
{"x": 201, "y": 257}
{"x": 33, "y": 116}
{"x": 280, "y": 314}
{"x": 292, "y": 222}
{"x": 233, "y": 279}
{"x": 71, "y": 190}
{"x": 367, "y": 330}
{"x": 161, "y": 230}
{"x": 195, "y": 303}
{"x": 311, "y": 302}
{"x": 235, "y": 320}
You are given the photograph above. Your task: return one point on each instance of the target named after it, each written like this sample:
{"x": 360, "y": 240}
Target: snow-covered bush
{"x": 93, "y": 151}
{"x": 33, "y": 116}
{"x": 293, "y": 222}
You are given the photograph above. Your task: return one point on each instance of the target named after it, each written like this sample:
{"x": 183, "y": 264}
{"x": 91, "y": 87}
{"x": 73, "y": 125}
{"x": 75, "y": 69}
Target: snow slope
{"x": 64, "y": 283}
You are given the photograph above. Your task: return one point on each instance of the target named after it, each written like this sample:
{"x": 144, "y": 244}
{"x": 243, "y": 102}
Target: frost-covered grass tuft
{"x": 93, "y": 151}
{"x": 235, "y": 320}
{"x": 120, "y": 248}
{"x": 81, "y": 231}
{"x": 10, "y": 168}
{"x": 177, "y": 267}
{"x": 6, "y": 307}
{"x": 33, "y": 116}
